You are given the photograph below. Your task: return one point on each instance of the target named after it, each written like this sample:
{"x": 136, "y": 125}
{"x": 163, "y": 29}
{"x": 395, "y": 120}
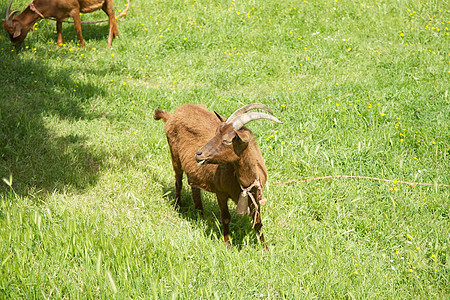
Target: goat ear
{"x": 17, "y": 31}
{"x": 240, "y": 141}
{"x": 243, "y": 135}
{"x": 222, "y": 119}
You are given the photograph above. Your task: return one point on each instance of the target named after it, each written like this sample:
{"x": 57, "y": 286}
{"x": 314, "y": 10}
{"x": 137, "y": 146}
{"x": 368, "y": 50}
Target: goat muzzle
{"x": 198, "y": 157}
{"x": 9, "y": 14}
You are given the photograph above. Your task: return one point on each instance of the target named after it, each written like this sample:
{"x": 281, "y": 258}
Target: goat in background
{"x": 220, "y": 156}
{"x": 19, "y": 26}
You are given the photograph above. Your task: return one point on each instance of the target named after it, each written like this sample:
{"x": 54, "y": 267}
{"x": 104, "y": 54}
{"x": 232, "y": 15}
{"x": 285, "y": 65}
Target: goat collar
{"x": 243, "y": 199}
{"x": 33, "y": 8}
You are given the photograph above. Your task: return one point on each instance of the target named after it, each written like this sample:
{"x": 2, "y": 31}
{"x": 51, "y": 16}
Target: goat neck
{"x": 29, "y": 16}
{"x": 250, "y": 166}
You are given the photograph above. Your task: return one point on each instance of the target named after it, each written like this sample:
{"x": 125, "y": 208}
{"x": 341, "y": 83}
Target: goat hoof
{"x": 227, "y": 241}
{"x": 228, "y": 245}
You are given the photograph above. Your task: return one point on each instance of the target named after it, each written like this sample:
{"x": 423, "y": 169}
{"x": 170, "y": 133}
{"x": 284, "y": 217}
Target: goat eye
{"x": 225, "y": 142}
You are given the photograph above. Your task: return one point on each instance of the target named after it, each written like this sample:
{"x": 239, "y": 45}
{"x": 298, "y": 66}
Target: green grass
{"x": 362, "y": 89}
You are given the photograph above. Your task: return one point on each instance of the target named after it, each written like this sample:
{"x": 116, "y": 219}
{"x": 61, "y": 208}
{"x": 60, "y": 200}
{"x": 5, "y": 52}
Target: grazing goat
{"x": 18, "y": 26}
{"x": 220, "y": 156}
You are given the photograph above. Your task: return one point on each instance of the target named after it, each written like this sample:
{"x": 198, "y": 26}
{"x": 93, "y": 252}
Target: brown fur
{"x": 60, "y": 10}
{"x": 195, "y": 134}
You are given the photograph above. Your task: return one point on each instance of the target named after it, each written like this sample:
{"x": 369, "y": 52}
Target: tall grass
{"x": 362, "y": 88}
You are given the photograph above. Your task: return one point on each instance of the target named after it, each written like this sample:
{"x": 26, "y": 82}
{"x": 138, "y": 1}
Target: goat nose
{"x": 199, "y": 153}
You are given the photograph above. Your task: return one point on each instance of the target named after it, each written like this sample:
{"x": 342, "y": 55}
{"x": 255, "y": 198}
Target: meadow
{"x": 87, "y": 186}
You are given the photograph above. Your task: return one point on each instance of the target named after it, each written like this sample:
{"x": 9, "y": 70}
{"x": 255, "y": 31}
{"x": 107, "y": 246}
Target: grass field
{"x": 86, "y": 200}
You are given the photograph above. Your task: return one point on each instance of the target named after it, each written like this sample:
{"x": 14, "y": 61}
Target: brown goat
{"x": 220, "y": 156}
{"x": 18, "y": 26}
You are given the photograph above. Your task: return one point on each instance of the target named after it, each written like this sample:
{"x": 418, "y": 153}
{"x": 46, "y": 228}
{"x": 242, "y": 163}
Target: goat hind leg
{"x": 178, "y": 186}
{"x": 113, "y": 31}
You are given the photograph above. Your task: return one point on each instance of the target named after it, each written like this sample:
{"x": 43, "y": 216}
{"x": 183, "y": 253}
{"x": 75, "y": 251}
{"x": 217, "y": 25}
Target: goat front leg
{"x": 196, "y": 196}
{"x": 59, "y": 40}
{"x": 258, "y": 226}
{"x": 77, "y": 20}
{"x": 222, "y": 199}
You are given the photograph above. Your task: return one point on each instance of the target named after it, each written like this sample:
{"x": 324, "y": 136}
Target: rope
{"x": 100, "y": 21}
{"x": 33, "y": 8}
{"x": 412, "y": 184}
{"x": 247, "y": 191}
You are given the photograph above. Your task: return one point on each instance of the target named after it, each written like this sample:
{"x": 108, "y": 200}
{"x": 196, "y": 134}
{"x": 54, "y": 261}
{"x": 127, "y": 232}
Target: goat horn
{"x": 243, "y": 119}
{"x": 10, "y": 14}
{"x": 8, "y": 9}
{"x": 245, "y": 109}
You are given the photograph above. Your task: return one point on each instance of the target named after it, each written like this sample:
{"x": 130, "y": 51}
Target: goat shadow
{"x": 90, "y": 32}
{"x": 39, "y": 157}
{"x": 240, "y": 226}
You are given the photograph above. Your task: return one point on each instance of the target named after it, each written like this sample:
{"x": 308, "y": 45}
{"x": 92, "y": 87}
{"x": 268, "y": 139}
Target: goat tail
{"x": 160, "y": 114}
